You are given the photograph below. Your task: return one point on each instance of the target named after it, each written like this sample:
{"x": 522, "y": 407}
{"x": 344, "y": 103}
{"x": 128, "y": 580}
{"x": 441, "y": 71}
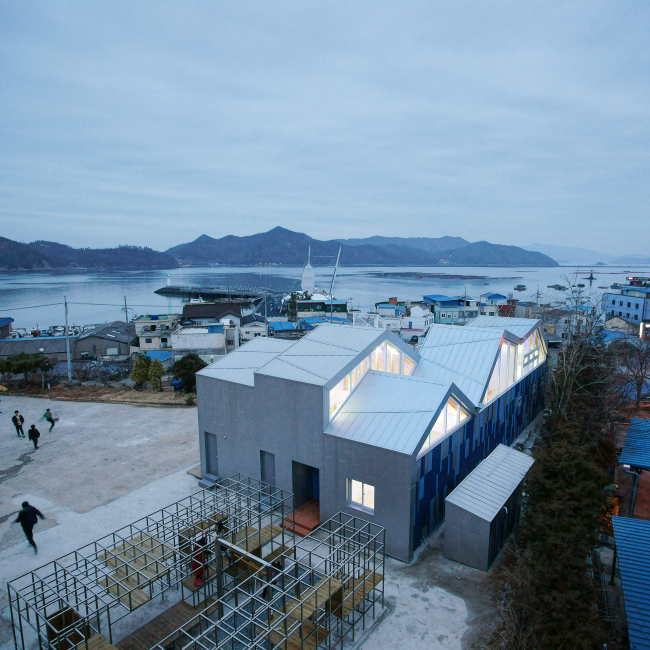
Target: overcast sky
{"x": 151, "y": 123}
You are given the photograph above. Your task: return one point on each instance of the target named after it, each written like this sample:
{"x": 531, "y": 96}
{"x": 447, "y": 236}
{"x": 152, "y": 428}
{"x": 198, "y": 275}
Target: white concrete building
{"x": 252, "y": 327}
{"x": 417, "y": 323}
{"x": 209, "y": 342}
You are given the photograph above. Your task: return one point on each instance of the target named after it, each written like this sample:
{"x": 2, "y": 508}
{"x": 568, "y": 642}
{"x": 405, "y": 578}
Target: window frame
{"x": 355, "y": 504}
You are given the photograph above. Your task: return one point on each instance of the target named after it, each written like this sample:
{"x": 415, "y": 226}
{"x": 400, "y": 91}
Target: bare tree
{"x": 633, "y": 356}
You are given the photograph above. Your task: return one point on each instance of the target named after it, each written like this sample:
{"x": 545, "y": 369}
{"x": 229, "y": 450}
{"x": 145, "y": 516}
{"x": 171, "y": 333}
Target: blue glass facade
{"x": 440, "y": 470}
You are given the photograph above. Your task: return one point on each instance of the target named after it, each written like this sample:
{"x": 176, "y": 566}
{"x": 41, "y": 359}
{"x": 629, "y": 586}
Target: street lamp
{"x": 42, "y": 372}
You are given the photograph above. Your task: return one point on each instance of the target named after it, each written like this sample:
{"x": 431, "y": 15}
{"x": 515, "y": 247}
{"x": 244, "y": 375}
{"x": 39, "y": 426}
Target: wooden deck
{"x": 304, "y": 520}
{"x": 294, "y": 641}
{"x": 97, "y": 642}
{"x": 353, "y": 592}
{"x": 318, "y": 596}
{"x": 159, "y": 628}
{"x": 127, "y": 590}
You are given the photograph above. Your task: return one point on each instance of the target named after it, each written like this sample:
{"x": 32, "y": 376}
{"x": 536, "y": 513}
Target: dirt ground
{"x": 107, "y": 394}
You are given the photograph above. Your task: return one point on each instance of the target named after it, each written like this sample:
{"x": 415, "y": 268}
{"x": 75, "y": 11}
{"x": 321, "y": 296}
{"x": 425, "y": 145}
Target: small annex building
{"x": 636, "y": 449}
{"x": 484, "y": 509}
{"x": 352, "y": 418}
{"x": 632, "y": 540}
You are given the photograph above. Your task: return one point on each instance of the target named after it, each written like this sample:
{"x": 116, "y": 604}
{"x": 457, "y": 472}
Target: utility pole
{"x": 67, "y": 339}
{"x": 126, "y": 312}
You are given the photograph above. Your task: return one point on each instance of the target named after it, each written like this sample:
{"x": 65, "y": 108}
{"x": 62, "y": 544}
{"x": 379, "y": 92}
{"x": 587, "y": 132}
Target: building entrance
{"x": 306, "y": 486}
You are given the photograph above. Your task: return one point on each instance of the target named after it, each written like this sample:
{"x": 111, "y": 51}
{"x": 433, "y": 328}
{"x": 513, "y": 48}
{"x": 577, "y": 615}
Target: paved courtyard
{"x": 105, "y": 465}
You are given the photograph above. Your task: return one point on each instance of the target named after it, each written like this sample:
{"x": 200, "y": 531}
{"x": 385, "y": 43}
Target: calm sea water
{"x": 99, "y": 297}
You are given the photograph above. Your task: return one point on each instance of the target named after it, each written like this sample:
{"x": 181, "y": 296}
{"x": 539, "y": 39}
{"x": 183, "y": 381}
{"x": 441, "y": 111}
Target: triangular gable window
{"x": 451, "y": 416}
{"x": 515, "y": 361}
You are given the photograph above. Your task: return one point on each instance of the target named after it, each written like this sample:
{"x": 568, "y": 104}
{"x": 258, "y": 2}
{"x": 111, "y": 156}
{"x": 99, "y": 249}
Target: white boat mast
{"x": 336, "y": 266}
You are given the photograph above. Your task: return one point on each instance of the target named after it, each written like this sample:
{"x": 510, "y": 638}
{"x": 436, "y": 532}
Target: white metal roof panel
{"x": 503, "y": 322}
{"x": 241, "y": 364}
{"x": 485, "y": 491}
{"x": 389, "y": 411}
{"x": 456, "y": 354}
{"x": 354, "y": 339}
{"x": 283, "y": 370}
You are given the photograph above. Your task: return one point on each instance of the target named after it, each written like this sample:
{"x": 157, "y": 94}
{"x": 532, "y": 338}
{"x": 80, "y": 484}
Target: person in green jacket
{"x": 50, "y": 418}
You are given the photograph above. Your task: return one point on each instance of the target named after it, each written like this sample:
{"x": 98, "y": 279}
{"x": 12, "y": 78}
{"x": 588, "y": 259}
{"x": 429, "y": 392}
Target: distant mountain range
{"x": 572, "y": 255}
{"x": 429, "y": 244}
{"x": 43, "y": 255}
{"x": 282, "y": 246}
{"x": 277, "y": 246}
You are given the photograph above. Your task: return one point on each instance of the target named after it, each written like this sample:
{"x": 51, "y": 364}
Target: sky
{"x": 151, "y": 123}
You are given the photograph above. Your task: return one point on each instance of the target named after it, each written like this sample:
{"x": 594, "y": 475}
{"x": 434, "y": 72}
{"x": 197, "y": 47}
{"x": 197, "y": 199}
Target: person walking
{"x": 48, "y": 415}
{"x": 28, "y": 518}
{"x": 34, "y": 434}
{"x": 18, "y": 420}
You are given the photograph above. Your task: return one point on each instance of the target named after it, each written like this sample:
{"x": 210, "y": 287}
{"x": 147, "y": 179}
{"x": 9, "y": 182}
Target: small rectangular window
{"x": 361, "y": 495}
{"x": 147, "y": 340}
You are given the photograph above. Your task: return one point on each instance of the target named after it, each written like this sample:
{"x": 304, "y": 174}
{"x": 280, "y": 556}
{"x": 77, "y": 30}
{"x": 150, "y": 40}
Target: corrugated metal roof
{"x": 632, "y": 538}
{"x": 282, "y": 325}
{"x": 161, "y": 355}
{"x": 636, "y": 451}
{"x": 485, "y": 491}
{"x": 50, "y": 345}
{"x": 5, "y": 321}
{"x": 389, "y": 411}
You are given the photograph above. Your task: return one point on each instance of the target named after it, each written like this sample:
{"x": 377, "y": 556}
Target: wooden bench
{"x": 304, "y": 638}
{"x": 97, "y": 642}
{"x": 159, "y": 628}
{"x": 353, "y": 592}
{"x": 127, "y": 590}
{"x": 281, "y": 550}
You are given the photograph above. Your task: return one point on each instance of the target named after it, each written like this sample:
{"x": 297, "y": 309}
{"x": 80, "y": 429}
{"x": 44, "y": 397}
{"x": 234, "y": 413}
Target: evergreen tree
{"x": 140, "y": 371}
{"x": 156, "y": 373}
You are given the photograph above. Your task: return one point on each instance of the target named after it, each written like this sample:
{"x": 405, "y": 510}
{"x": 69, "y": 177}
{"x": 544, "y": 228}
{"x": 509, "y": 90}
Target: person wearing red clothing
{"x": 198, "y": 561}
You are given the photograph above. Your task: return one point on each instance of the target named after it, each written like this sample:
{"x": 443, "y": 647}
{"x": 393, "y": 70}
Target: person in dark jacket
{"x": 18, "y": 420}
{"x": 28, "y": 518}
{"x": 34, "y": 434}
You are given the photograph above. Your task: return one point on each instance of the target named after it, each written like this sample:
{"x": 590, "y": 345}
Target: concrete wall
{"x": 197, "y": 340}
{"x": 467, "y": 538}
{"x": 391, "y": 475}
{"x": 278, "y": 416}
{"x": 285, "y": 418}
{"x": 96, "y": 347}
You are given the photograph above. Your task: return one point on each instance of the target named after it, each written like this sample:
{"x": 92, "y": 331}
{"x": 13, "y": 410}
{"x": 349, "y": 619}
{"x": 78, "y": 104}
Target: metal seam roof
{"x": 487, "y": 488}
{"x": 636, "y": 450}
{"x": 632, "y": 538}
{"x": 390, "y": 411}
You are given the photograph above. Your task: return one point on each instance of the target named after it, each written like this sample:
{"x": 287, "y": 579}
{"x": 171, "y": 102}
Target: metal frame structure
{"x": 314, "y": 594}
{"x": 66, "y": 602}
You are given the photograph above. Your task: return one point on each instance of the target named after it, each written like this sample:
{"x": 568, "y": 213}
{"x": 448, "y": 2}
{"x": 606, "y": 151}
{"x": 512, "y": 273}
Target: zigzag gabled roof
{"x": 466, "y": 355}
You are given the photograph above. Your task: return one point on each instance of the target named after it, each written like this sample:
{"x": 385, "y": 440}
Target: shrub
{"x": 186, "y": 369}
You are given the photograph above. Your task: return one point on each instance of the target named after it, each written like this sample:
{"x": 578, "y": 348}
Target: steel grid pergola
{"x": 328, "y": 582}
{"x": 69, "y": 600}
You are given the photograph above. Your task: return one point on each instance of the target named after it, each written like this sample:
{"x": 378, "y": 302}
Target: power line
{"x": 51, "y": 304}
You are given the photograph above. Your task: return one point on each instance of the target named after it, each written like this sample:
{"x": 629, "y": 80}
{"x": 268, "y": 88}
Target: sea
{"x": 35, "y": 299}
